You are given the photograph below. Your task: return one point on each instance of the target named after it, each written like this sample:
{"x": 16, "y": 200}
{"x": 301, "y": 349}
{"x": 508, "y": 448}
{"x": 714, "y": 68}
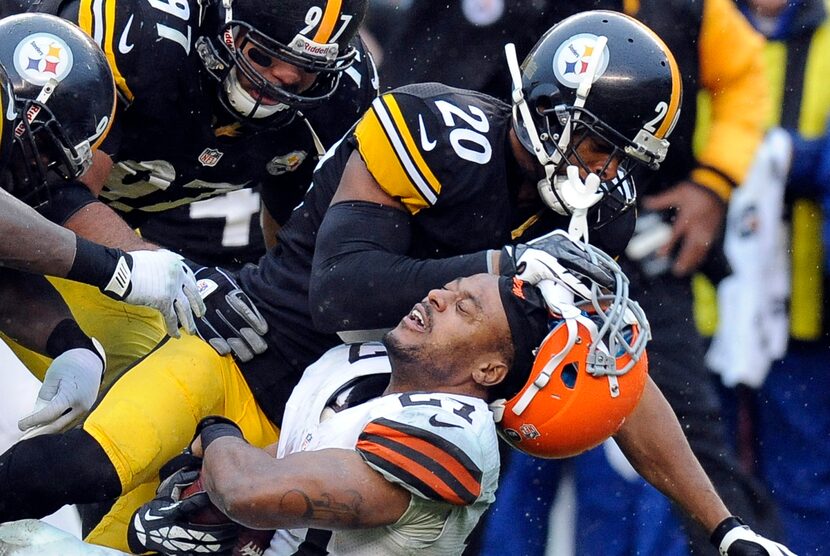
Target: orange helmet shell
{"x": 575, "y": 410}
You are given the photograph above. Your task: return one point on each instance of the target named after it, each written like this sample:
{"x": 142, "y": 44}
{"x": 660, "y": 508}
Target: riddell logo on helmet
{"x": 315, "y": 49}
{"x": 31, "y": 114}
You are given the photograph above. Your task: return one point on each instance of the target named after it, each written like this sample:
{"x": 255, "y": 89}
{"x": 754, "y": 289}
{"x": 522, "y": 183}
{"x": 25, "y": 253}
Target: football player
{"x": 211, "y": 99}
{"x": 482, "y": 175}
{"x": 390, "y": 448}
{"x": 52, "y": 136}
{"x": 489, "y": 189}
{"x": 225, "y": 230}
{"x": 397, "y": 436}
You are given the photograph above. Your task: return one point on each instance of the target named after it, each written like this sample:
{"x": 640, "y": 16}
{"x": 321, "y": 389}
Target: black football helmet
{"x": 313, "y": 35}
{"x": 629, "y": 105}
{"x": 59, "y": 102}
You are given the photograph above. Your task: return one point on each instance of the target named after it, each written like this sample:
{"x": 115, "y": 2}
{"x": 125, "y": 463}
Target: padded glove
{"x": 556, "y": 257}
{"x": 181, "y": 520}
{"x": 733, "y": 538}
{"x": 161, "y": 280}
{"x": 231, "y": 323}
{"x": 69, "y": 390}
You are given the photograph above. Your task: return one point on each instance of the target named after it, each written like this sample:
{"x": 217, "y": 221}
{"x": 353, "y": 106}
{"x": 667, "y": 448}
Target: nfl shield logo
{"x": 529, "y": 431}
{"x": 210, "y": 157}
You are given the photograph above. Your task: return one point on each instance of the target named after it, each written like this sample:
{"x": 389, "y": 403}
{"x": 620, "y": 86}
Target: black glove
{"x": 733, "y": 538}
{"x": 232, "y": 322}
{"x": 181, "y": 518}
{"x": 555, "y": 256}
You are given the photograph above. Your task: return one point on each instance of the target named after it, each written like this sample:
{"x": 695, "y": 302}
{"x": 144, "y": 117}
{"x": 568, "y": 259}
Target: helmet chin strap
{"x": 240, "y": 99}
{"x": 244, "y": 103}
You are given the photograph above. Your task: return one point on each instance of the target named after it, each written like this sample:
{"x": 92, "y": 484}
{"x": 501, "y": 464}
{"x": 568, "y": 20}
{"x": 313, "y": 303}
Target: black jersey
{"x": 445, "y": 154}
{"x": 225, "y": 230}
{"x": 171, "y": 141}
{"x": 220, "y": 231}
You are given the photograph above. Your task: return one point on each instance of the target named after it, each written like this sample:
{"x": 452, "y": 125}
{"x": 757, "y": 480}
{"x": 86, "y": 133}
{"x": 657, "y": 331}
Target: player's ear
{"x": 490, "y": 374}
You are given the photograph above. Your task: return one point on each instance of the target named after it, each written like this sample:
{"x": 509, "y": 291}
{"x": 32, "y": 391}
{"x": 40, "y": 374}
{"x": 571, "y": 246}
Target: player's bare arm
{"x": 96, "y": 176}
{"x": 55, "y": 244}
{"x": 270, "y": 227}
{"x": 654, "y": 443}
{"x": 97, "y": 222}
{"x": 331, "y": 489}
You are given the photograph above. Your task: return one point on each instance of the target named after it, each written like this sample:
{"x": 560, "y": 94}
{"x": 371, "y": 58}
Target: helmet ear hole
{"x": 543, "y": 104}
{"x": 569, "y": 374}
{"x": 544, "y": 97}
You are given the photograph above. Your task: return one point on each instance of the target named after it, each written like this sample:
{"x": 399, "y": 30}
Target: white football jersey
{"x": 440, "y": 447}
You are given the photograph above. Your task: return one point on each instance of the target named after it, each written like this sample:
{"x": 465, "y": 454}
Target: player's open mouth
{"x": 417, "y": 317}
{"x": 267, "y": 101}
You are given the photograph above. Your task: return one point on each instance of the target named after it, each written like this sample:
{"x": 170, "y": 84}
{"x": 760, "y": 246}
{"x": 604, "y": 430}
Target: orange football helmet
{"x": 588, "y": 376}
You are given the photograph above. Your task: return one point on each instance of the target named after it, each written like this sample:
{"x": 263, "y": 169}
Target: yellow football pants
{"x": 126, "y": 331}
{"x": 149, "y": 416}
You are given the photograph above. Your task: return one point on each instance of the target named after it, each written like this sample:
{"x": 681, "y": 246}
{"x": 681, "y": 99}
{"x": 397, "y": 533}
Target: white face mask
{"x": 244, "y": 103}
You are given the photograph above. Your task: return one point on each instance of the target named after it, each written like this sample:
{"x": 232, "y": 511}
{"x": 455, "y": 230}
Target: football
{"x": 251, "y": 542}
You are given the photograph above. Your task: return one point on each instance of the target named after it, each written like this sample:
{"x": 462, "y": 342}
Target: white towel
{"x": 30, "y": 537}
{"x": 753, "y": 325}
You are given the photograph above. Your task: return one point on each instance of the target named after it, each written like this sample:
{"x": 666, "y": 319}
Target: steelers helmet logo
{"x": 571, "y": 59}
{"x": 42, "y": 56}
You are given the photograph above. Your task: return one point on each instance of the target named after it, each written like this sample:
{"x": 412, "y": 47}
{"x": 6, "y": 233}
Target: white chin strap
{"x": 244, "y": 103}
{"x": 574, "y": 196}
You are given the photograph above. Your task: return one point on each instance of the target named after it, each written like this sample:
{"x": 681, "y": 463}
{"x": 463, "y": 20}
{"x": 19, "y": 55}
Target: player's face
{"x": 276, "y": 71}
{"x": 452, "y": 327}
{"x": 594, "y": 154}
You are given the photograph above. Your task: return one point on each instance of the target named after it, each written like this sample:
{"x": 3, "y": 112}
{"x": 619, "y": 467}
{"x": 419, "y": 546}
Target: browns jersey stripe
{"x": 392, "y": 157}
{"x": 417, "y": 448}
{"x": 430, "y": 464}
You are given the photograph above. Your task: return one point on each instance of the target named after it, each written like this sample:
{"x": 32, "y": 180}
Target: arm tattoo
{"x": 325, "y": 508}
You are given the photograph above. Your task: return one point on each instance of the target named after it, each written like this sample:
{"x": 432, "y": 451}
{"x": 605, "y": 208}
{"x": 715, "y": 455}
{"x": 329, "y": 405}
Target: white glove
{"x": 161, "y": 280}
{"x": 556, "y": 257}
{"x": 69, "y": 389}
{"x": 733, "y": 538}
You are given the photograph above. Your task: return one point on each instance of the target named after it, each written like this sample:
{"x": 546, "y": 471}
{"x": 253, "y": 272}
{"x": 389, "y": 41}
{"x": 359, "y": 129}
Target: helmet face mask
{"x": 599, "y": 75}
{"x": 49, "y": 63}
{"x": 231, "y": 56}
{"x": 587, "y": 133}
{"x": 43, "y": 155}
